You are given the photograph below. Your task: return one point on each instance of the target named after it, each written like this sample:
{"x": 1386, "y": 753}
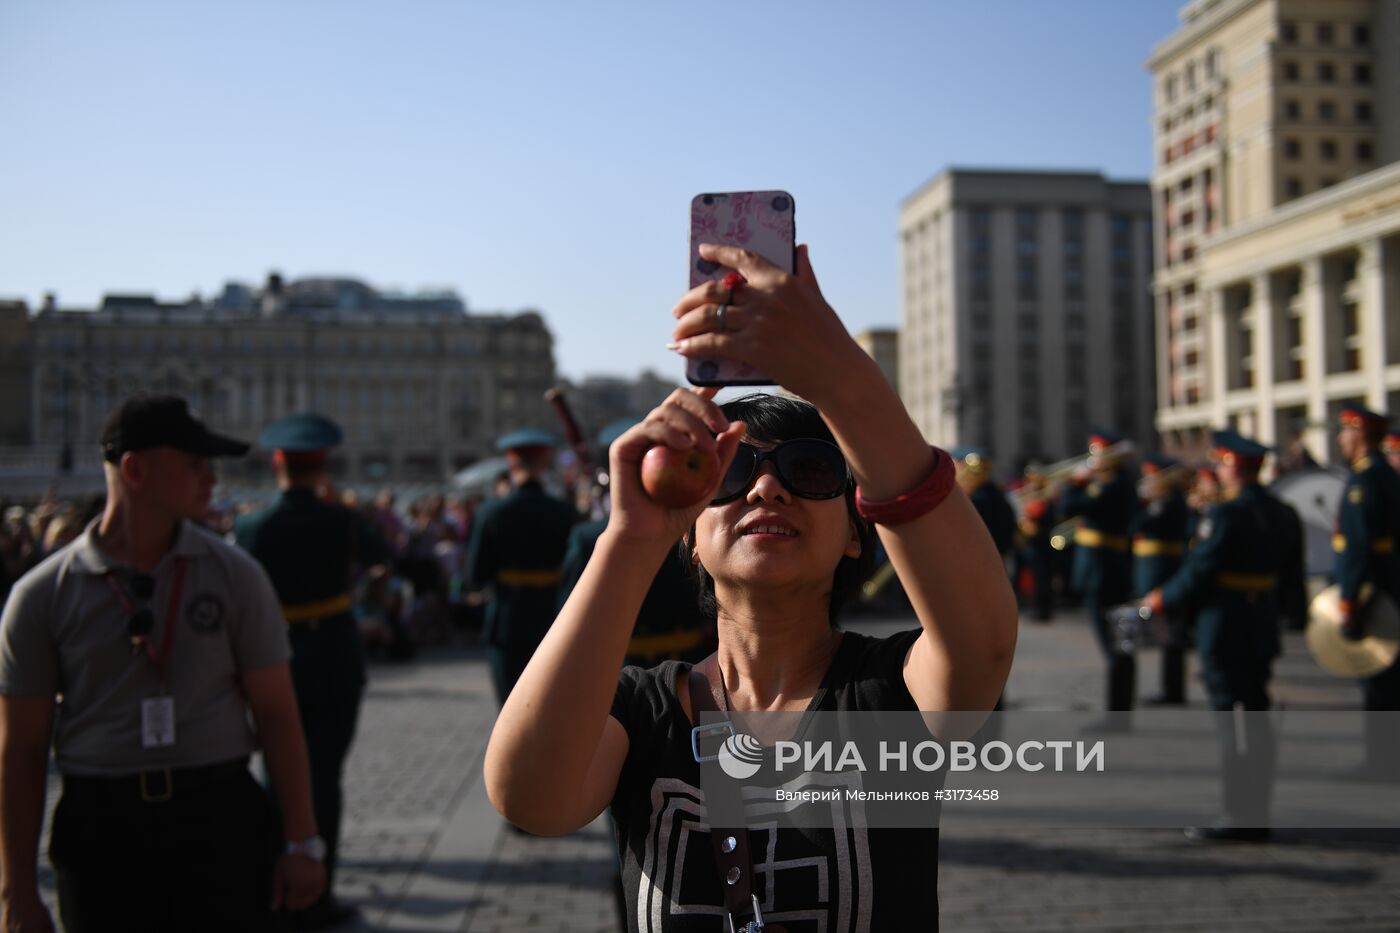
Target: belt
{"x": 1378, "y": 546}
{"x": 1090, "y": 537}
{"x": 154, "y": 786}
{"x": 1156, "y": 547}
{"x": 666, "y": 643}
{"x": 528, "y": 579}
{"x": 316, "y": 609}
{"x": 1246, "y": 582}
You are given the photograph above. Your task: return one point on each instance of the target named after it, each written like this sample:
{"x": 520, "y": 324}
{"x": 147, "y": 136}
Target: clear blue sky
{"x": 528, "y": 154}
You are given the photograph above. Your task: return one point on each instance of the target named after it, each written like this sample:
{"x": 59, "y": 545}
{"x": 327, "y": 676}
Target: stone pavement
{"x": 423, "y": 851}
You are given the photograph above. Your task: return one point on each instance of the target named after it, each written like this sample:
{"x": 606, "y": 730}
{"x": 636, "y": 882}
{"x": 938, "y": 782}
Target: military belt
{"x": 317, "y": 609}
{"x": 1246, "y": 582}
{"x": 1378, "y": 546}
{"x": 1090, "y": 537}
{"x": 528, "y": 579}
{"x": 1156, "y": 547}
{"x": 666, "y": 643}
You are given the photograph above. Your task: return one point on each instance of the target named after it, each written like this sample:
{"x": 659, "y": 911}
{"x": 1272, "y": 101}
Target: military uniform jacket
{"x": 1245, "y": 568}
{"x": 517, "y": 547}
{"x": 310, "y": 548}
{"x": 1161, "y": 533}
{"x": 991, "y": 503}
{"x": 1368, "y": 523}
{"x": 669, "y": 625}
{"x": 1102, "y": 562}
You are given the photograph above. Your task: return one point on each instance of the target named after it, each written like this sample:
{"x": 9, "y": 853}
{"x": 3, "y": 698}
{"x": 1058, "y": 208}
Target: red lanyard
{"x": 172, "y": 616}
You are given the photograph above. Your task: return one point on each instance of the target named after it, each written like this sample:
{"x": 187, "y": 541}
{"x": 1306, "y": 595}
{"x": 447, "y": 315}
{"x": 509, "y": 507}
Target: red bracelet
{"x": 923, "y": 498}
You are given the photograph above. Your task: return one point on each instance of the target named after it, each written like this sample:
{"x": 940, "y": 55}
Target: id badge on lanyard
{"x": 158, "y": 712}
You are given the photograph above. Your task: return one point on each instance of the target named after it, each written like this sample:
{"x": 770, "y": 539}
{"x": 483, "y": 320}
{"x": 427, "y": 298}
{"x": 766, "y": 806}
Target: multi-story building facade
{"x": 1277, "y": 123}
{"x": 882, "y": 345}
{"x": 597, "y": 401}
{"x": 1026, "y": 312}
{"x": 15, "y": 368}
{"x": 420, "y": 386}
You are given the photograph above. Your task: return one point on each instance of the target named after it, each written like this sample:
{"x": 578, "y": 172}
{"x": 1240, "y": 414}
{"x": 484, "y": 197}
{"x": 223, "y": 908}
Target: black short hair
{"x": 773, "y": 419}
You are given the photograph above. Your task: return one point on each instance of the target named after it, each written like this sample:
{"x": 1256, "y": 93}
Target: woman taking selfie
{"x": 776, "y": 541}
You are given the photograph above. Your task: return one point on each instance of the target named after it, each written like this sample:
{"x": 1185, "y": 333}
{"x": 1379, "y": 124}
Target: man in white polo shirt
{"x": 160, "y": 639}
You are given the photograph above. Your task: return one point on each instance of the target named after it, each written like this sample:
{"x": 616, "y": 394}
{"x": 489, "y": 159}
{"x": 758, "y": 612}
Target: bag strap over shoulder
{"x": 733, "y": 859}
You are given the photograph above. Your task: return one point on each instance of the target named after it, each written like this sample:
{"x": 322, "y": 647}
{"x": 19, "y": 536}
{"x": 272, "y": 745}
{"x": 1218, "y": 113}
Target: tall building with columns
{"x": 420, "y": 386}
{"x": 1277, "y": 189}
{"x": 1026, "y": 311}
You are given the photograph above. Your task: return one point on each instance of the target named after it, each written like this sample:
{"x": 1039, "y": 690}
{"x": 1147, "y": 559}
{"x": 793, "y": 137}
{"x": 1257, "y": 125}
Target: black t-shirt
{"x": 873, "y": 879}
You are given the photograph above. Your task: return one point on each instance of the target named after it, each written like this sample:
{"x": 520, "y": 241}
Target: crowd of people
{"x": 609, "y": 635}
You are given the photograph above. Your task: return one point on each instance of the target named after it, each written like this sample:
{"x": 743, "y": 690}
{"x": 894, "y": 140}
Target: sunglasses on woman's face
{"x": 807, "y": 467}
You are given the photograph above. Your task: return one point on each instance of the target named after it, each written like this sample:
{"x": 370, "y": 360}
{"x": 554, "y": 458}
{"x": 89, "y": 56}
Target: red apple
{"x": 678, "y": 479}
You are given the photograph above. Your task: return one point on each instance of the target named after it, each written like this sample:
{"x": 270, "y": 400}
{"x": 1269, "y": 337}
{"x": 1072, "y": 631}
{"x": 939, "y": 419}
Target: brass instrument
{"x": 1379, "y": 619}
{"x": 1058, "y": 473}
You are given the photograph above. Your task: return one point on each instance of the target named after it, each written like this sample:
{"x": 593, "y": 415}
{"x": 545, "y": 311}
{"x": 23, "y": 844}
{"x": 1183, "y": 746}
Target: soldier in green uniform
{"x": 1103, "y": 497}
{"x": 669, "y": 625}
{"x": 310, "y": 548}
{"x": 1035, "y": 528}
{"x": 974, "y": 472}
{"x": 1391, "y": 448}
{"x": 1248, "y": 554}
{"x": 1160, "y": 536}
{"x": 1368, "y": 526}
{"x": 517, "y": 548}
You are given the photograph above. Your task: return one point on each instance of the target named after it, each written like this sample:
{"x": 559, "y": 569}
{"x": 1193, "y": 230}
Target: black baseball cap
{"x": 146, "y": 421}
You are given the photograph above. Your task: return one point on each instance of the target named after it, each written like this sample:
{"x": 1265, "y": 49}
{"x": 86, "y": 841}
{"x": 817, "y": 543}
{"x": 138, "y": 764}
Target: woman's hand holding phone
{"x": 775, "y": 322}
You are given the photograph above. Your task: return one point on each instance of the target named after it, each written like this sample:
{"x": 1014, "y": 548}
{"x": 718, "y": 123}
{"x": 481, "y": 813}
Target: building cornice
{"x": 1327, "y": 199}
{"x": 1193, "y": 31}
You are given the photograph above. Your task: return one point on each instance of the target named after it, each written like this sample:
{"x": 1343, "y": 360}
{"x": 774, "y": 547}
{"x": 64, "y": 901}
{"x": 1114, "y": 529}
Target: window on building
{"x": 1292, "y": 149}
{"x": 1212, "y": 63}
{"x": 1326, "y": 72}
{"x": 1188, "y": 218}
{"x": 1361, "y": 73}
{"x": 1291, "y": 110}
{"x": 1288, "y": 32}
{"x": 1074, "y": 282}
{"x": 1170, "y": 88}
{"x": 1328, "y": 149}
{"x": 1326, "y": 110}
{"x": 1292, "y": 188}
{"x": 1324, "y": 33}
{"x": 1027, "y": 282}
{"x": 1362, "y": 111}
{"x": 1361, "y": 34}
{"x": 1191, "y": 76}
{"x": 1289, "y": 71}
{"x": 1192, "y": 358}
{"x": 1073, "y": 220}
{"x": 1326, "y": 181}
{"x": 1364, "y": 152}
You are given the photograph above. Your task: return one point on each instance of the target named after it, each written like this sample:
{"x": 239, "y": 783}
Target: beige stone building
{"x": 1026, "y": 313}
{"x": 421, "y": 387}
{"x": 882, "y": 345}
{"x": 1277, "y": 126}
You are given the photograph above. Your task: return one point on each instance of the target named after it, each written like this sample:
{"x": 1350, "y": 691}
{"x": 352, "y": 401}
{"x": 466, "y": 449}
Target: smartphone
{"x": 761, "y": 221}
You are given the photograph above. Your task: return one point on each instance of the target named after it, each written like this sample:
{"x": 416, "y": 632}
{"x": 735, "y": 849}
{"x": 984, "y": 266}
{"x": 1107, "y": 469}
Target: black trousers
{"x": 202, "y": 860}
{"x": 1248, "y": 755}
{"x": 1381, "y": 693}
{"x": 328, "y": 674}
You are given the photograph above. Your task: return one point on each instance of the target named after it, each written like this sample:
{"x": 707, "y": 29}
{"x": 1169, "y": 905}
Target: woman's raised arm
{"x": 945, "y": 558}
{"x": 554, "y": 755}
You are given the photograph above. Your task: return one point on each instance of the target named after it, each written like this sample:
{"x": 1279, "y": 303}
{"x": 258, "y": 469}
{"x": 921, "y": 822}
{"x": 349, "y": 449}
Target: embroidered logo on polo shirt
{"x": 205, "y": 613}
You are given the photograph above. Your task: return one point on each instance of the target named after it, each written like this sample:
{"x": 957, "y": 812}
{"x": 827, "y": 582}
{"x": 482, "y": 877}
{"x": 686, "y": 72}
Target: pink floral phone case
{"x": 761, "y": 221}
